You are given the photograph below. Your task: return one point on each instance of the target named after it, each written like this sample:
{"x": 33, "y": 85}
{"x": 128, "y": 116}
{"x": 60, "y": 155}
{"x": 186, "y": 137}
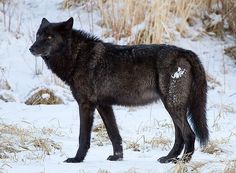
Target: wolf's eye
{"x": 49, "y": 37}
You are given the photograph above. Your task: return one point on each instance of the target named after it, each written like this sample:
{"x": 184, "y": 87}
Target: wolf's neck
{"x": 61, "y": 65}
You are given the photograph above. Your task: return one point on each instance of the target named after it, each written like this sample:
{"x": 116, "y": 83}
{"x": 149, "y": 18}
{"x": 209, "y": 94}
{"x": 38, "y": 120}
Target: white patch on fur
{"x": 179, "y": 73}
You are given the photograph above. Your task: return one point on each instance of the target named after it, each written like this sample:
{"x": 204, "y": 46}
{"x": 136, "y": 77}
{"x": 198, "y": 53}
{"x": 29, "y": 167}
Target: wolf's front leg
{"x": 86, "y": 111}
{"x": 109, "y": 120}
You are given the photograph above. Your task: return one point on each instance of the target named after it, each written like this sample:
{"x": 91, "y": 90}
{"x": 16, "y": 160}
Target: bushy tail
{"x": 197, "y": 109}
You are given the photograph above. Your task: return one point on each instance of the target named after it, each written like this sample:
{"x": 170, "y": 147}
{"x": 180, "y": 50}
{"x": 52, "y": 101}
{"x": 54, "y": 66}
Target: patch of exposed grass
{"x": 160, "y": 141}
{"x": 19, "y": 143}
{"x": 213, "y": 147}
{"x": 142, "y": 143}
{"x": 101, "y": 136}
{"x": 231, "y": 51}
{"x": 43, "y": 96}
{"x": 229, "y": 13}
{"x": 212, "y": 82}
{"x": 182, "y": 167}
{"x": 133, "y": 145}
{"x": 230, "y": 167}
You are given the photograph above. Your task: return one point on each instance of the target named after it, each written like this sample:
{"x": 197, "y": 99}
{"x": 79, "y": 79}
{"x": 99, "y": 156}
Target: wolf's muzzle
{"x": 32, "y": 50}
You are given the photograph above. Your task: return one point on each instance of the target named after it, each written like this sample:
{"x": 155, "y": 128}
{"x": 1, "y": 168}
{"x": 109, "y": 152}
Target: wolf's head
{"x": 51, "y": 38}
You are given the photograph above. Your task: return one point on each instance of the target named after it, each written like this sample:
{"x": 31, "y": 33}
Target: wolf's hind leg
{"x": 189, "y": 140}
{"x": 109, "y": 120}
{"x": 187, "y": 137}
{"x": 176, "y": 91}
{"x": 176, "y": 149}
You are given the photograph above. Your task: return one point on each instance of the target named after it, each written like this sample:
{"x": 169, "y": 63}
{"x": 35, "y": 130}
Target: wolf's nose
{"x": 31, "y": 49}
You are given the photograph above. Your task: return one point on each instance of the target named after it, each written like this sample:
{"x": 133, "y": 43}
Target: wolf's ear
{"x": 69, "y": 23}
{"x": 44, "y": 21}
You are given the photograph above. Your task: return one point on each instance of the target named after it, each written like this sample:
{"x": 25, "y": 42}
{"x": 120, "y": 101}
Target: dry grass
{"x": 4, "y": 85}
{"x": 6, "y": 93}
{"x": 101, "y": 136}
{"x": 156, "y": 18}
{"x": 230, "y": 167}
{"x": 7, "y": 96}
{"x": 18, "y": 143}
{"x": 121, "y": 16}
{"x": 103, "y": 171}
{"x": 182, "y": 167}
{"x": 212, "y": 82}
{"x": 225, "y": 11}
{"x": 157, "y": 21}
{"x": 223, "y": 110}
{"x": 155, "y": 142}
{"x": 70, "y": 3}
{"x": 229, "y": 13}
{"x": 160, "y": 141}
{"x": 213, "y": 147}
{"x": 133, "y": 145}
{"x": 42, "y": 96}
{"x": 231, "y": 51}
{"x": 195, "y": 167}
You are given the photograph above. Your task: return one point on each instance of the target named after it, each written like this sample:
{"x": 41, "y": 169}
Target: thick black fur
{"x": 103, "y": 74}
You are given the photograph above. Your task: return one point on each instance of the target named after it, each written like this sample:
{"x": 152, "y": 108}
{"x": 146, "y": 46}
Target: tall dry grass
{"x": 70, "y": 3}
{"x": 151, "y": 18}
{"x": 229, "y": 13}
{"x": 120, "y": 17}
{"x": 157, "y": 21}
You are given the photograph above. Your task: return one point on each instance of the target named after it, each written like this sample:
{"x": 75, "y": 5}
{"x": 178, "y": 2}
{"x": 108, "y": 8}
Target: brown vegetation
{"x": 43, "y": 96}
{"x": 154, "y": 21}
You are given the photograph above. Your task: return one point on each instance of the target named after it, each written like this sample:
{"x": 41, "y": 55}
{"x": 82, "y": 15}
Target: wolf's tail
{"x": 197, "y": 108}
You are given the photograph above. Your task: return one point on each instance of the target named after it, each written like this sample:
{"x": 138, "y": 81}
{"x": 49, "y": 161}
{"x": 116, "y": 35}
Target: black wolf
{"x": 103, "y": 74}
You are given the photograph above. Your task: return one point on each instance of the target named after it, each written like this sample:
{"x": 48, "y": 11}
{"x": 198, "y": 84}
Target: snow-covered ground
{"x": 147, "y": 131}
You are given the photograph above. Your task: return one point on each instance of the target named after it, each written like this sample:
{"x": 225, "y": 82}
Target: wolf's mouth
{"x": 36, "y": 53}
{"x": 33, "y": 51}
{"x": 44, "y": 57}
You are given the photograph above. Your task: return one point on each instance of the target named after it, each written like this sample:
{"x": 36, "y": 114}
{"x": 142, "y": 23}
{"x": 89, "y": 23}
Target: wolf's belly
{"x": 132, "y": 98}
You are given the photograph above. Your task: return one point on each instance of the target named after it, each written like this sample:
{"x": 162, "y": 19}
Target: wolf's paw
{"x": 115, "y": 158}
{"x": 73, "y": 160}
{"x": 167, "y": 159}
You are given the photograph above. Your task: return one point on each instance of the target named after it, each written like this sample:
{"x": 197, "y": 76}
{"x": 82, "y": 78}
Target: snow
{"x": 139, "y": 126}
{"x": 215, "y": 18}
{"x": 45, "y": 96}
{"x": 178, "y": 74}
